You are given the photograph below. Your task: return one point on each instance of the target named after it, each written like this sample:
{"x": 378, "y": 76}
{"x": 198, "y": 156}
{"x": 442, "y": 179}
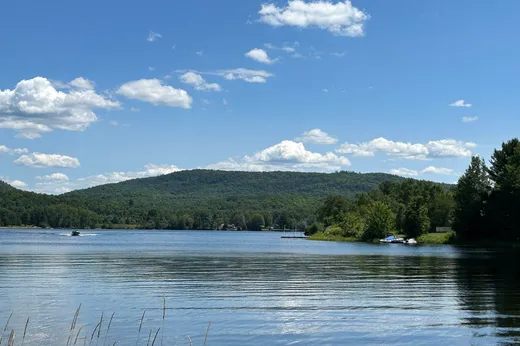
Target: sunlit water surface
{"x": 255, "y": 288}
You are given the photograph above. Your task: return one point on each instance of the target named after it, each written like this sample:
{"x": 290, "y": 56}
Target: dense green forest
{"x": 198, "y": 199}
{"x": 484, "y": 205}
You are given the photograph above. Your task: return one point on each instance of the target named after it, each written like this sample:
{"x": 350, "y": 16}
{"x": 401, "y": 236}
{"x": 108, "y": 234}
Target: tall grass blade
{"x": 94, "y": 332}
{"x": 140, "y": 325}
{"x": 25, "y": 331}
{"x": 77, "y": 335}
{"x": 9, "y": 319}
{"x": 191, "y": 343}
{"x": 73, "y": 324}
{"x": 155, "y": 337}
{"x": 207, "y": 331}
{"x": 100, "y": 324}
{"x": 109, "y": 324}
{"x": 75, "y": 319}
{"x": 163, "y": 317}
{"x": 149, "y": 337}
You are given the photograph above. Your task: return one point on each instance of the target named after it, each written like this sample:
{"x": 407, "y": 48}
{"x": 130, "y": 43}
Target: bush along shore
{"x": 482, "y": 208}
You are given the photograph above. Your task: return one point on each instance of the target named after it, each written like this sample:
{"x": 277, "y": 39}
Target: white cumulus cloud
{"x": 198, "y": 82}
{"x": 460, "y": 103}
{"x": 154, "y": 92}
{"x": 35, "y": 106}
{"x": 437, "y": 170}
{"x": 317, "y": 136}
{"x": 404, "y": 172}
{"x": 247, "y": 75}
{"x": 428, "y": 170}
{"x": 418, "y": 151}
{"x": 11, "y": 151}
{"x": 259, "y": 55}
{"x": 57, "y": 186}
{"x": 82, "y": 84}
{"x": 285, "y": 156}
{"x": 340, "y": 18}
{"x": 47, "y": 160}
{"x": 54, "y": 177}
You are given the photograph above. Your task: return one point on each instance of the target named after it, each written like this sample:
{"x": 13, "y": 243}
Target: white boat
{"x": 392, "y": 239}
{"x": 411, "y": 241}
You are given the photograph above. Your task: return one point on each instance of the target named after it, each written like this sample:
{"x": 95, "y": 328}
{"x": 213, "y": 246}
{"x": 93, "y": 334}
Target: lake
{"x": 255, "y": 288}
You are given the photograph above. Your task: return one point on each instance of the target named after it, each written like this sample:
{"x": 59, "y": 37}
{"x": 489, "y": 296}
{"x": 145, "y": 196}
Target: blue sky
{"x": 96, "y": 92}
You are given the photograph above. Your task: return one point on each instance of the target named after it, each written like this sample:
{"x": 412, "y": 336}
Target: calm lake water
{"x": 256, "y": 288}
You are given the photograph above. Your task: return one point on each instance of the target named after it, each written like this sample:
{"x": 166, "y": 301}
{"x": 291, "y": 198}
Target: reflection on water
{"x": 257, "y": 289}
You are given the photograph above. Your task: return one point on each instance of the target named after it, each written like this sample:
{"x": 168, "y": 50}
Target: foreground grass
{"x": 80, "y": 335}
{"x": 429, "y": 238}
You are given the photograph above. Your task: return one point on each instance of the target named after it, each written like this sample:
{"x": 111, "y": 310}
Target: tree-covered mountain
{"x": 197, "y": 199}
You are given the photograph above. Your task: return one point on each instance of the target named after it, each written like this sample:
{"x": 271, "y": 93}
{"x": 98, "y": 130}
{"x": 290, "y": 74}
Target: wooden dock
{"x": 293, "y": 237}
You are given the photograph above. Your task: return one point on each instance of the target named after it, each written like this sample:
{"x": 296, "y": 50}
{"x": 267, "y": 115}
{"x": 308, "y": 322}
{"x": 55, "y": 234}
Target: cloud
{"x": 285, "y": 156}
{"x": 154, "y": 92}
{"x": 153, "y": 36}
{"x": 82, "y": 84}
{"x": 134, "y": 109}
{"x": 200, "y": 53}
{"x": 404, "y": 172}
{"x": 325, "y": 90}
{"x": 338, "y": 55}
{"x": 341, "y": 18}
{"x": 469, "y": 119}
{"x": 437, "y": 170}
{"x": 10, "y": 151}
{"x": 250, "y": 76}
{"x": 317, "y": 136}
{"x": 418, "y": 151}
{"x": 460, "y": 103}
{"x": 18, "y": 184}
{"x": 198, "y": 82}
{"x": 47, "y": 160}
{"x": 34, "y": 107}
{"x": 289, "y": 48}
{"x": 151, "y": 68}
{"x": 247, "y": 75}
{"x": 56, "y": 186}
{"x": 428, "y": 170}
{"x": 54, "y": 177}
{"x": 259, "y": 55}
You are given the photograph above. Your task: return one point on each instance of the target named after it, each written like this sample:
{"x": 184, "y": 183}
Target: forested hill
{"x": 205, "y": 184}
{"x": 197, "y": 199}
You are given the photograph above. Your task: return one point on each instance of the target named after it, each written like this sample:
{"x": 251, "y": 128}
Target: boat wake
{"x": 81, "y": 235}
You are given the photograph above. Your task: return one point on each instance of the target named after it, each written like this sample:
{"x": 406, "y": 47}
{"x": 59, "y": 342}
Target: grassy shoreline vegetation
{"x": 94, "y": 334}
{"x": 482, "y": 208}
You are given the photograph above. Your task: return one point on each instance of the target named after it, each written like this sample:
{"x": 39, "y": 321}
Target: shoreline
{"x": 426, "y": 239}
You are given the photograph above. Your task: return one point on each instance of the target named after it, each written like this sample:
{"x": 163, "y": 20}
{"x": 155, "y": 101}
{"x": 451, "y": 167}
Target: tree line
{"x": 483, "y": 205}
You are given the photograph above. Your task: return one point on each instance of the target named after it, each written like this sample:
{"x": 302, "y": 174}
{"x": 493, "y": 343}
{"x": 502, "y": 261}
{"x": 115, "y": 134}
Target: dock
{"x": 293, "y": 237}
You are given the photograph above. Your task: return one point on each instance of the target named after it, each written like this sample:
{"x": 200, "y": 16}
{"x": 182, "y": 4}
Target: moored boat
{"x": 75, "y": 233}
{"x": 392, "y": 239}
